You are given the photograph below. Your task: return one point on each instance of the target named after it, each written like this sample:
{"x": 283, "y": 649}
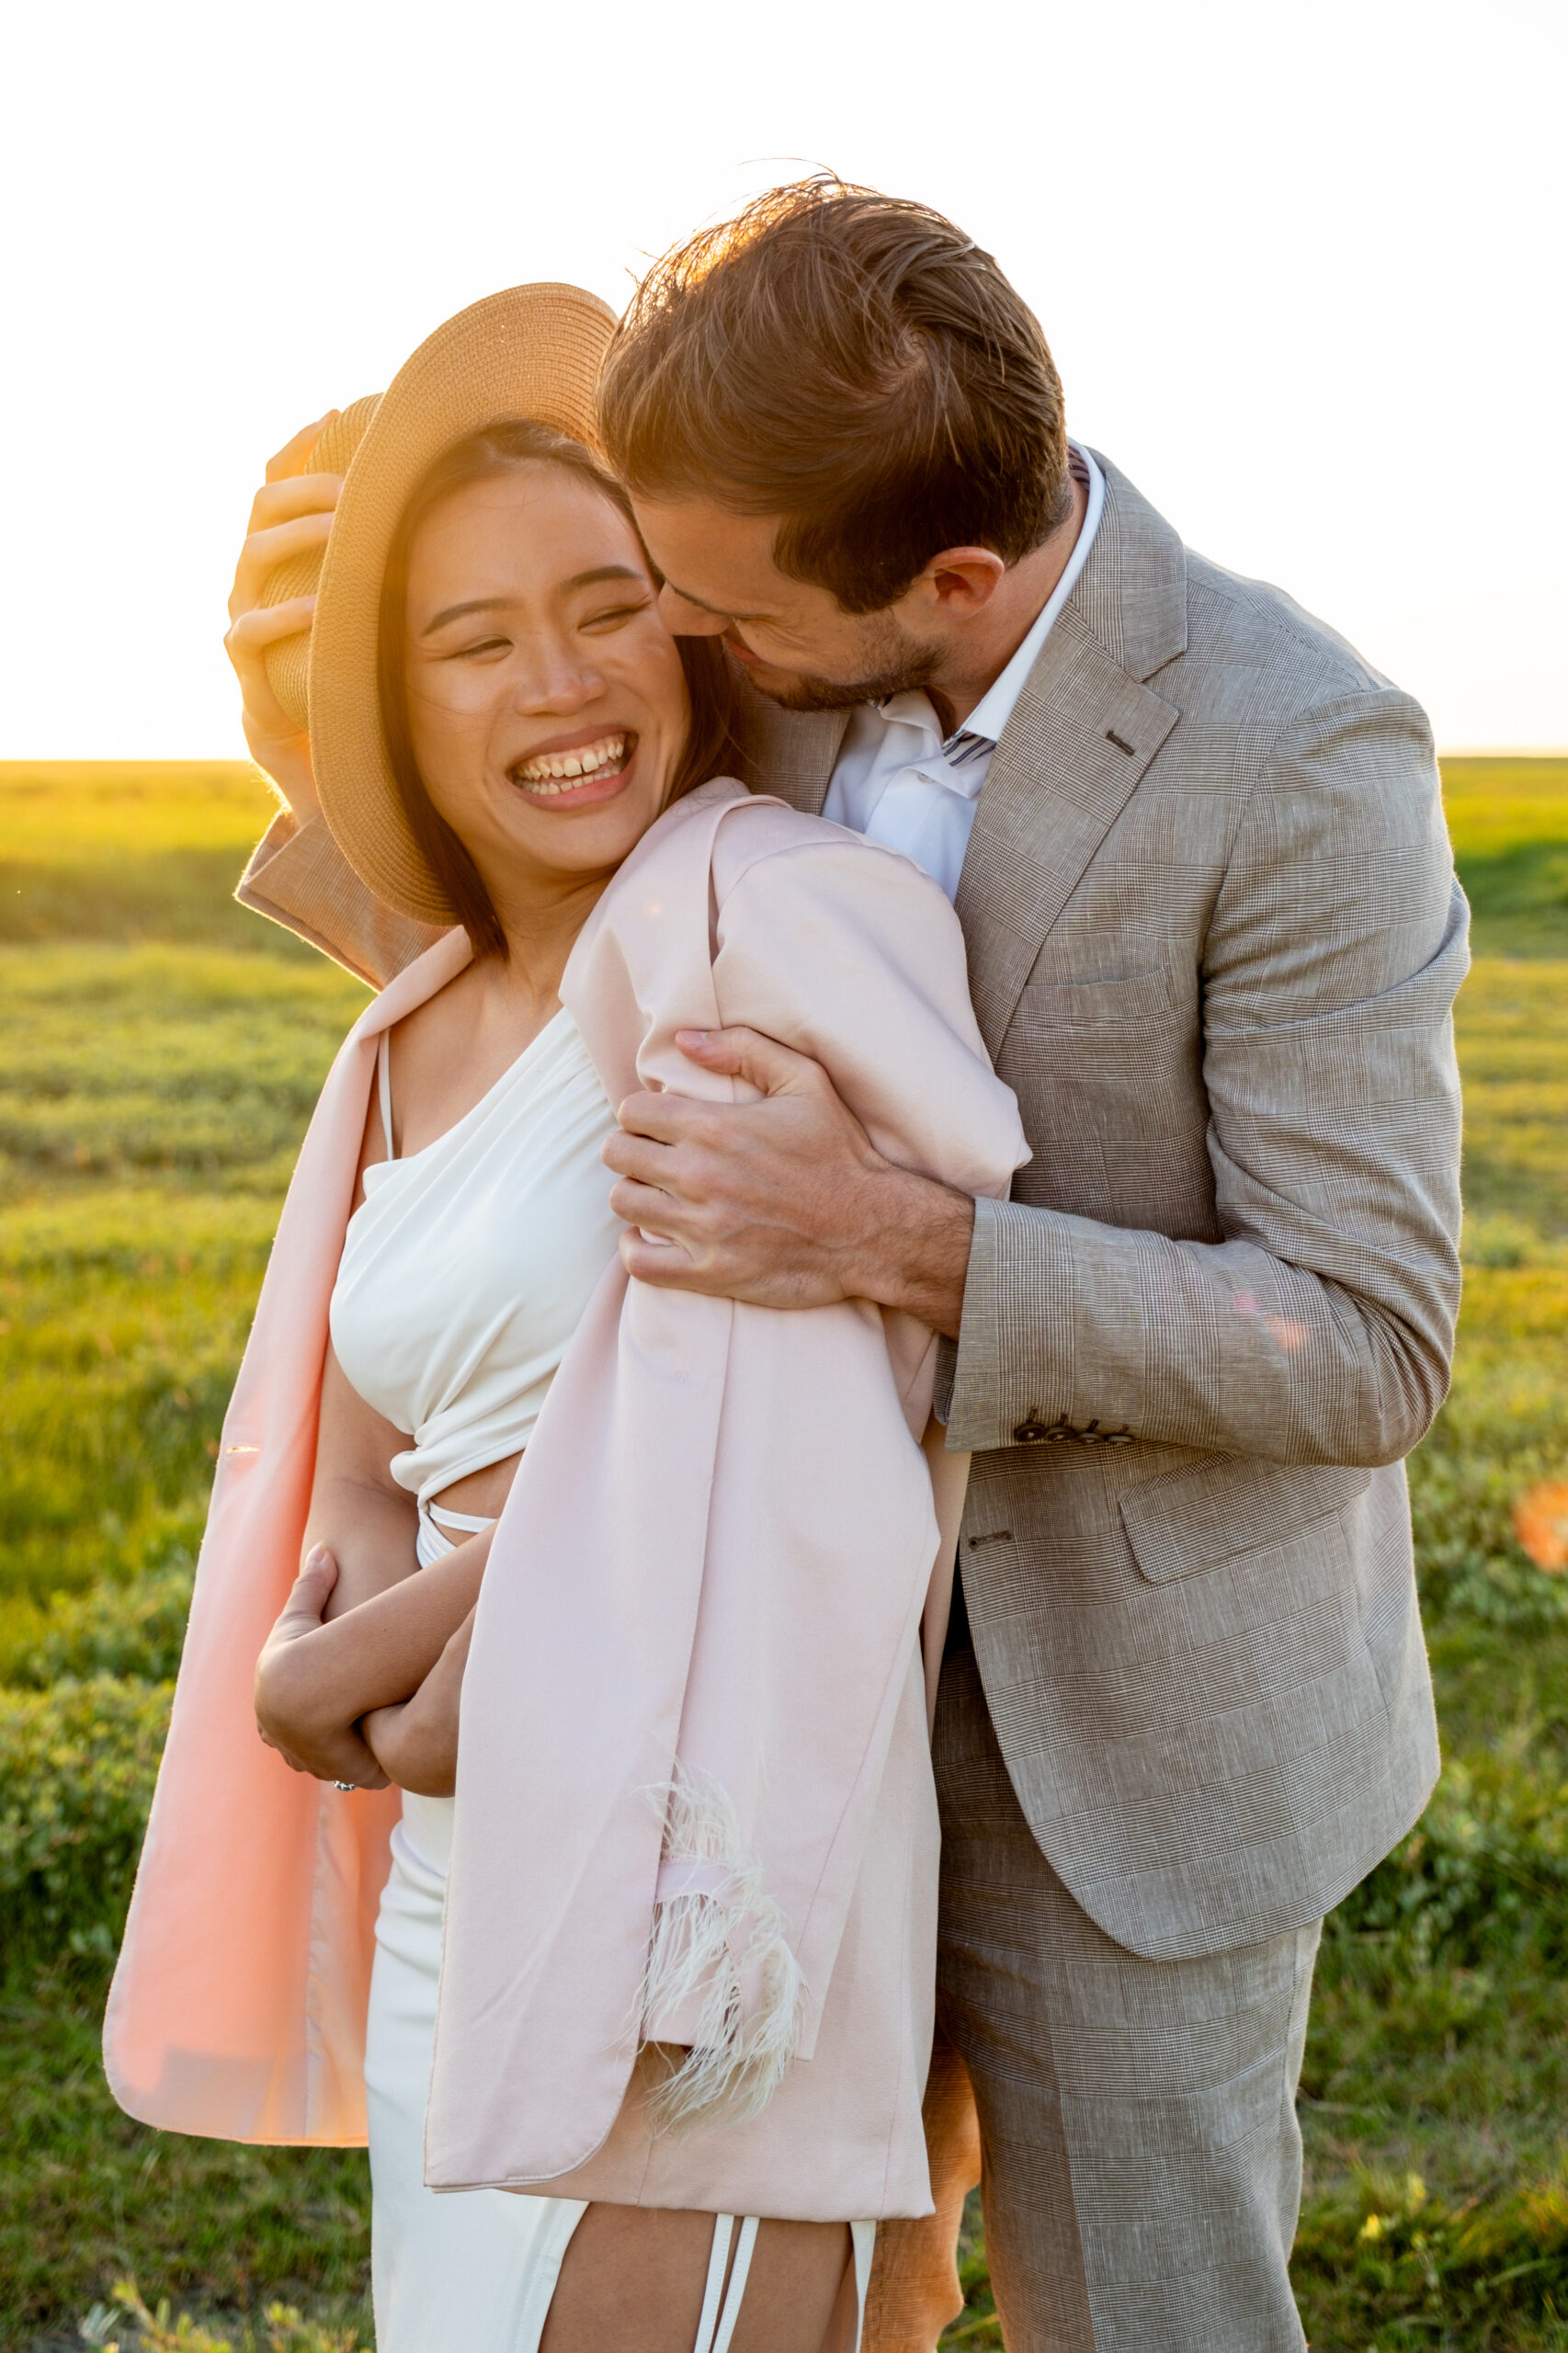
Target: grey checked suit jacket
{"x": 1214, "y": 939}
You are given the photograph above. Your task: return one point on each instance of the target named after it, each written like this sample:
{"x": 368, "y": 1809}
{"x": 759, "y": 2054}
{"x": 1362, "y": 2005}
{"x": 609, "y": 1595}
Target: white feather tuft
{"x": 714, "y": 1949}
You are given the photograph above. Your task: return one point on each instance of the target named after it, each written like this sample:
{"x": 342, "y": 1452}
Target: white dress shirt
{"x": 898, "y": 780}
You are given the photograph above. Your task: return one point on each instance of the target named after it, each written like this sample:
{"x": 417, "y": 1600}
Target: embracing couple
{"x": 858, "y": 1298}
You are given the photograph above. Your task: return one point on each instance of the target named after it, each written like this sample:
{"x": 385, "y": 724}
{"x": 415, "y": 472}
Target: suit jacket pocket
{"x": 1190, "y": 1521}
{"x": 1134, "y": 997}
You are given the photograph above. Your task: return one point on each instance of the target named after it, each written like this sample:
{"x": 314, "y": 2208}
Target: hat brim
{"x": 532, "y": 352}
{"x": 287, "y": 660}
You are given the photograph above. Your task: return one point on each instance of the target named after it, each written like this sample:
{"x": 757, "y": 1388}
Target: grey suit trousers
{"x": 1143, "y": 2159}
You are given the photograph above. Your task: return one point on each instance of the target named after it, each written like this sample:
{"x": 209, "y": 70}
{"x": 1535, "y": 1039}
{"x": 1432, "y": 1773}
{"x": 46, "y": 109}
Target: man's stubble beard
{"x": 900, "y": 664}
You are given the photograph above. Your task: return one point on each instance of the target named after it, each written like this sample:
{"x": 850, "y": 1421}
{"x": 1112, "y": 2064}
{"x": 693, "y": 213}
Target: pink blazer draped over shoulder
{"x": 694, "y": 1804}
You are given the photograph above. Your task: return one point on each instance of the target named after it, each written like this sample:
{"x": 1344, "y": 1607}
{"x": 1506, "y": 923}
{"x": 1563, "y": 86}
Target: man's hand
{"x": 785, "y": 1202}
{"x": 290, "y": 515}
{"x": 288, "y": 1719}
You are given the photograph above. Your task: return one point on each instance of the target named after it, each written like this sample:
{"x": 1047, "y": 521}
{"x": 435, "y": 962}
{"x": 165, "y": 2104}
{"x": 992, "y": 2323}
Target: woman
{"x": 686, "y": 1886}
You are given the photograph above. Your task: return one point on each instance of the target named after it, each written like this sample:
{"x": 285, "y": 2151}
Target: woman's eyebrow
{"x": 601, "y": 571}
{"x": 456, "y": 612}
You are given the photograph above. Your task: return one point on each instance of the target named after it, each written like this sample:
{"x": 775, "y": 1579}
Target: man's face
{"x": 794, "y": 639}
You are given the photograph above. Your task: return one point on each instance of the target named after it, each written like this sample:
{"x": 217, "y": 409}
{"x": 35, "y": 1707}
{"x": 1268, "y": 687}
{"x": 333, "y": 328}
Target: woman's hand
{"x": 290, "y": 515}
{"x": 289, "y": 1711}
{"x": 416, "y": 1743}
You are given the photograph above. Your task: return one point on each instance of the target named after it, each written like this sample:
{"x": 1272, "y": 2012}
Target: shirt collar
{"x": 996, "y": 705}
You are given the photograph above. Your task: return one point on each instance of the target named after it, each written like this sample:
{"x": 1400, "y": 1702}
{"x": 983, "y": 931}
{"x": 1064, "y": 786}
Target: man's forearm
{"x": 910, "y": 1248}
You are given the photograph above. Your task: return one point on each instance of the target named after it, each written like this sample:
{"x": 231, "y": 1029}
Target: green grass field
{"x": 159, "y": 1053}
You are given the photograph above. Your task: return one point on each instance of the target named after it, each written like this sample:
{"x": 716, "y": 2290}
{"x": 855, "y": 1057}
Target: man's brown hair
{"x": 855, "y": 364}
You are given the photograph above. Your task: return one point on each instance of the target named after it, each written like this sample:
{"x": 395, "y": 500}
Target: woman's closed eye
{"x": 606, "y": 618}
{"x": 602, "y": 621}
{"x": 482, "y": 648}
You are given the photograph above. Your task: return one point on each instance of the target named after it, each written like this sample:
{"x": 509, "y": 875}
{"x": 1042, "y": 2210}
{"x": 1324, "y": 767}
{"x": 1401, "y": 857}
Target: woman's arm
{"x": 415, "y": 1743}
{"x": 360, "y": 1630}
{"x": 332, "y": 1674}
{"x": 357, "y": 1510}
{"x": 328, "y": 1752}
{"x": 316, "y": 1680}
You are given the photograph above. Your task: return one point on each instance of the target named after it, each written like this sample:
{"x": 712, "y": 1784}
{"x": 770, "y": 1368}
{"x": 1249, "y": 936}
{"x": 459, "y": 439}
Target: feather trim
{"x": 719, "y": 1942}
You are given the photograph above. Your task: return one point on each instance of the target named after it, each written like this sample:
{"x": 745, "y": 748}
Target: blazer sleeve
{"x": 298, "y": 876}
{"x": 1320, "y": 1329}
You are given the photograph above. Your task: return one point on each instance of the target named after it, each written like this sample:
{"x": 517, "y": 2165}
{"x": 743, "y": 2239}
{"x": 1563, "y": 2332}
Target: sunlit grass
{"x": 82, "y": 813}
{"x": 134, "y": 849}
{"x": 115, "y": 1059}
{"x": 1509, "y": 820}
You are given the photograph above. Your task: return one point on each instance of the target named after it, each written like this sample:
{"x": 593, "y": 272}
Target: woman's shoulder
{"x": 757, "y": 832}
{"x": 763, "y": 869}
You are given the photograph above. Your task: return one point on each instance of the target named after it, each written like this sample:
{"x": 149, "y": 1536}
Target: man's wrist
{"x": 914, "y": 1248}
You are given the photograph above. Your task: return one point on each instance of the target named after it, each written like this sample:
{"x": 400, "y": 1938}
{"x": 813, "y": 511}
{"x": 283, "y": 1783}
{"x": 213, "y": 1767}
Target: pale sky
{"x": 1301, "y": 267}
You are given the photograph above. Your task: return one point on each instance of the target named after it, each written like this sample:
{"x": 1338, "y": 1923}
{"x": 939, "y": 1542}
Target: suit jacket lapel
{"x": 1082, "y": 734}
{"x": 1132, "y": 592}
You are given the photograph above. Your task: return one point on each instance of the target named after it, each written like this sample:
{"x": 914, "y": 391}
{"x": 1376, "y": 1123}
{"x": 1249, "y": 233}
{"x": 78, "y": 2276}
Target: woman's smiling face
{"x": 547, "y": 705}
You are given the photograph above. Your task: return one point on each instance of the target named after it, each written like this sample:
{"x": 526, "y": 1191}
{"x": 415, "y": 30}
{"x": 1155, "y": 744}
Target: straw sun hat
{"x": 534, "y": 351}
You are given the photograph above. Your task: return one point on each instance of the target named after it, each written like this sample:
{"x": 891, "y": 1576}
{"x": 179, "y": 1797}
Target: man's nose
{"x": 683, "y": 619}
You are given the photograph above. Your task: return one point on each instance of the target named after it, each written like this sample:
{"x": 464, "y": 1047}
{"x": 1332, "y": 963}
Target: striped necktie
{"x": 964, "y": 746}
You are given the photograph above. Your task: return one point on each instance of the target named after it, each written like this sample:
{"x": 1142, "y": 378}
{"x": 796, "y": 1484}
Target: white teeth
{"x": 551, "y": 770}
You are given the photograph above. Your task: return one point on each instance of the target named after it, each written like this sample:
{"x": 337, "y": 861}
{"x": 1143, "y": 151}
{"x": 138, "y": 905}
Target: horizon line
{"x": 241, "y": 760}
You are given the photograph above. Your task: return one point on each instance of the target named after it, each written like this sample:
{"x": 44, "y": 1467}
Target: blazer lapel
{"x": 1133, "y": 589}
{"x": 1069, "y": 758}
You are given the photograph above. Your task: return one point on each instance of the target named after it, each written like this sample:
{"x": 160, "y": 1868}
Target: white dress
{"x": 464, "y": 1274}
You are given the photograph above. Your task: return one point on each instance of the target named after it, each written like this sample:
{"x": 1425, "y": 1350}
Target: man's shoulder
{"x": 1247, "y": 645}
{"x": 1183, "y": 619}
{"x": 1232, "y": 619}
{"x": 1258, "y": 683}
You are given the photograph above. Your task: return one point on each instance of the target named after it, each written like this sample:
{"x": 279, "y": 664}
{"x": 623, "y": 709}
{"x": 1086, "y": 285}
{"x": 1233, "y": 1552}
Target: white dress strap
{"x": 470, "y": 1523}
{"x": 383, "y": 1081}
{"x": 732, "y": 2312}
{"x": 712, "y": 2294}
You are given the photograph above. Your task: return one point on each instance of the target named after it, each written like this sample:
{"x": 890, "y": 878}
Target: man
{"x": 1197, "y": 846}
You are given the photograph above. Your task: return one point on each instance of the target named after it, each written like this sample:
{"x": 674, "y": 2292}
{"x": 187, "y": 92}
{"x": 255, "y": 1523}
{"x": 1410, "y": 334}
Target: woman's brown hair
{"x": 496, "y": 450}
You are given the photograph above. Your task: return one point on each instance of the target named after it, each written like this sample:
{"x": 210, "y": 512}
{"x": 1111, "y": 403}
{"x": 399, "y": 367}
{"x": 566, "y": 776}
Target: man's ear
{"x": 958, "y": 583}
